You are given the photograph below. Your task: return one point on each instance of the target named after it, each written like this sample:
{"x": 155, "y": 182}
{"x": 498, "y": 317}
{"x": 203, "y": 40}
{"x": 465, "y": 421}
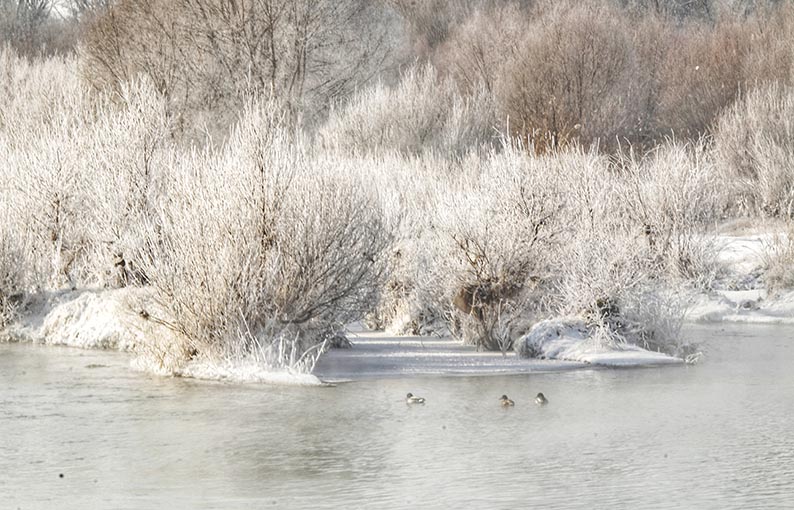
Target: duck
{"x": 541, "y": 399}
{"x": 506, "y": 402}
{"x": 412, "y": 399}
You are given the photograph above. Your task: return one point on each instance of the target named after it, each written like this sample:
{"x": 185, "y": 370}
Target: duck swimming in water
{"x": 541, "y": 399}
{"x": 411, "y": 399}
{"x": 506, "y": 402}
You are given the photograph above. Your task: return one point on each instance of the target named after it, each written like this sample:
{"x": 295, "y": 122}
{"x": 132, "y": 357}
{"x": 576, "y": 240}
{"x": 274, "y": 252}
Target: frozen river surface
{"x": 715, "y": 435}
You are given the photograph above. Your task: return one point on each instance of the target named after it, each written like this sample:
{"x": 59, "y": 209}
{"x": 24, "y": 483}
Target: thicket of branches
{"x": 595, "y": 72}
{"x": 244, "y": 247}
{"x": 526, "y": 159}
{"x": 206, "y": 57}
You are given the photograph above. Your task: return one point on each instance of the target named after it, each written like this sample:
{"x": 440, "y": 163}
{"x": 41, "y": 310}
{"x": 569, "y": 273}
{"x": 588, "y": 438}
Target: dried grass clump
{"x": 778, "y": 260}
{"x": 754, "y": 146}
{"x": 569, "y": 77}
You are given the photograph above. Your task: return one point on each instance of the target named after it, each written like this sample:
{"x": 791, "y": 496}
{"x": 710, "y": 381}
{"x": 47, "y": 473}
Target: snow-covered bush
{"x": 42, "y": 109}
{"x": 84, "y": 170}
{"x": 492, "y": 236}
{"x": 492, "y": 244}
{"x": 407, "y": 187}
{"x": 49, "y": 198}
{"x": 672, "y": 196}
{"x": 754, "y": 146}
{"x": 605, "y": 280}
{"x": 126, "y": 153}
{"x": 607, "y": 273}
{"x": 423, "y": 113}
{"x": 37, "y": 93}
{"x": 262, "y": 245}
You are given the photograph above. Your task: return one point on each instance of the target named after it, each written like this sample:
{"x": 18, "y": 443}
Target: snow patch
{"x": 742, "y": 253}
{"x": 377, "y": 354}
{"x": 111, "y": 319}
{"x": 740, "y": 295}
{"x": 571, "y": 340}
{"x": 242, "y": 372}
{"x": 757, "y": 308}
{"x": 89, "y": 319}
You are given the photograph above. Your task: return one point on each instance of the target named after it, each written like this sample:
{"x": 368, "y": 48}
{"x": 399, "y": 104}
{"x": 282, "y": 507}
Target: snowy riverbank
{"x": 114, "y": 319}
{"x": 111, "y": 319}
{"x": 740, "y": 294}
{"x": 379, "y": 354}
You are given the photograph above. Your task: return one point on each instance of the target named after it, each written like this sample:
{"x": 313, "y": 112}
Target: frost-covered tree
{"x": 207, "y": 56}
{"x": 262, "y": 244}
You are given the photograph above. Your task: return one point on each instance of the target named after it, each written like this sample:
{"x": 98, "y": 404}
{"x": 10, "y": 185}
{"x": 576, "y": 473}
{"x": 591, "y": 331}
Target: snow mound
{"x": 742, "y": 253}
{"x": 89, "y": 319}
{"x": 114, "y": 319}
{"x": 234, "y": 372}
{"x": 571, "y": 340}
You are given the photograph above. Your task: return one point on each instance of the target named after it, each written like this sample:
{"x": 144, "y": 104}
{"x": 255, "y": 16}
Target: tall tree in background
{"x": 21, "y": 22}
{"x": 79, "y": 9}
{"x": 208, "y": 55}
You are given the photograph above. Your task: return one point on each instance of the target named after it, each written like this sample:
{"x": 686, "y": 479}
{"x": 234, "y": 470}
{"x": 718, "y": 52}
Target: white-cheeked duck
{"x": 413, "y": 399}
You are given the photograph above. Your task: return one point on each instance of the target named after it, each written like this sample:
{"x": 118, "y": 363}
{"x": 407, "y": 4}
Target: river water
{"x": 79, "y": 429}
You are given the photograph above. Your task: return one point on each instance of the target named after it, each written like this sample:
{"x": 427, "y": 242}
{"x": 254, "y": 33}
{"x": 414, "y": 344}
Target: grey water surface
{"x": 715, "y": 435}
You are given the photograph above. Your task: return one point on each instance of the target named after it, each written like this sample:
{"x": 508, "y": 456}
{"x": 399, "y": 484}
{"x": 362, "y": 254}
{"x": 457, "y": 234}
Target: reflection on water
{"x": 717, "y": 435}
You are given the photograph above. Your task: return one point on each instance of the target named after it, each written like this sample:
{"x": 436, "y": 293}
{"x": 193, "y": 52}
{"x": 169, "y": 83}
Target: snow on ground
{"x": 740, "y": 295}
{"x": 750, "y": 307}
{"x": 569, "y": 339}
{"x": 90, "y": 319}
{"x": 111, "y": 319}
{"x": 241, "y": 373}
{"x": 742, "y": 252}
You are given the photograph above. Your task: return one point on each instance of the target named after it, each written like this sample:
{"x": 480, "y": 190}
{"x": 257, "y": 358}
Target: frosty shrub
{"x": 47, "y": 191}
{"x": 37, "y": 94}
{"x": 605, "y": 272}
{"x": 423, "y": 113}
{"x": 492, "y": 233}
{"x": 129, "y": 150}
{"x": 82, "y": 170}
{"x": 407, "y": 188}
{"x": 261, "y": 246}
{"x": 673, "y": 197}
{"x": 778, "y": 260}
{"x": 604, "y": 279}
{"x": 754, "y": 146}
